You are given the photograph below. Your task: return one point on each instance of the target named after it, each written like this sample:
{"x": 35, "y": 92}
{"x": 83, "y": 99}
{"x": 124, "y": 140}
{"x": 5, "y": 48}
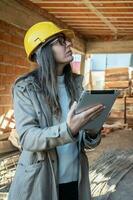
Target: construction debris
{"x": 8, "y": 166}
{"x": 8, "y": 135}
{"x": 7, "y": 121}
{"x": 108, "y": 128}
{"x": 14, "y": 139}
{"x": 107, "y": 174}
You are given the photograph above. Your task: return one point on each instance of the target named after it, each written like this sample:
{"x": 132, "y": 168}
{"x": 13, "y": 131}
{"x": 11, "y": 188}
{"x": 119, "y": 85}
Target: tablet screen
{"x": 101, "y": 91}
{"x": 90, "y": 98}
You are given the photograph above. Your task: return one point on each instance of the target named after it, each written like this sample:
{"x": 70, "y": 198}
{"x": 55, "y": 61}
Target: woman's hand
{"x": 76, "y": 121}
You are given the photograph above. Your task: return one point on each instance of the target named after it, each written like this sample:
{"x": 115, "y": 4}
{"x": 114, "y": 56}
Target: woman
{"x": 53, "y": 164}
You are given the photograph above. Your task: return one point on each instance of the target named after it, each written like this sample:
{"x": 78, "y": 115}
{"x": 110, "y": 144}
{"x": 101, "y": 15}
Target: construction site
{"x": 102, "y": 28}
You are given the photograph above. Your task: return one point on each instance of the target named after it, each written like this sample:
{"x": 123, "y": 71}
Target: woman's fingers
{"x": 78, "y": 120}
{"x": 93, "y": 110}
{"x": 93, "y": 115}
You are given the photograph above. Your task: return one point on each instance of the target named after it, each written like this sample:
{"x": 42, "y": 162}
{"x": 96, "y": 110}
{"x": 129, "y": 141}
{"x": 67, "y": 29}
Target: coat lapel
{"x": 34, "y": 86}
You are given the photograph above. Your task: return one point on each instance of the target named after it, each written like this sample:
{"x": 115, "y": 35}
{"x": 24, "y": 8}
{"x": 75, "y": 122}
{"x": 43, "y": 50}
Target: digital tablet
{"x": 90, "y": 98}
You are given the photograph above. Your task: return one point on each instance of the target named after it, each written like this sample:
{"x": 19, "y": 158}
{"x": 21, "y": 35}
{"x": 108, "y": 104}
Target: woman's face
{"x": 61, "y": 47}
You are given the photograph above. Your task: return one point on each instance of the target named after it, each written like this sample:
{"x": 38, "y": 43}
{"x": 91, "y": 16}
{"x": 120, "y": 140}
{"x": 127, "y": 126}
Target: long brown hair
{"x": 47, "y": 78}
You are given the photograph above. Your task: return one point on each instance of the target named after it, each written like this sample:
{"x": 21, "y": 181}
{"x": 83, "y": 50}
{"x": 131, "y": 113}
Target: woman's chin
{"x": 67, "y": 60}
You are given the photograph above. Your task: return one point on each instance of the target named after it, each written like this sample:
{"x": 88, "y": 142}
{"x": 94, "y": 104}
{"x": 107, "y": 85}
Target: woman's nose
{"x": 68, "y": 43}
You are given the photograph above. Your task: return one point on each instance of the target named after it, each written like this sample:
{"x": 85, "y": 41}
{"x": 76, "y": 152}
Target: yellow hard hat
{"x": 39, "y": 33}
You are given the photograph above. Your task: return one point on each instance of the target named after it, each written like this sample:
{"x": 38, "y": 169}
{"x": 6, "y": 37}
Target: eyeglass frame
{"x": 54, "y": 41}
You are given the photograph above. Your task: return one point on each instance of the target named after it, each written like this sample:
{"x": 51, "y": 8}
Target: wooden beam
{"x": 88, "y": 12}
{"x": 24, "y": 14}
{"x": 101, "y": 16}
{"x": 79, "y": 2}
{"x": 89, "y": 24}
{"x": 71, "y": 12}
{"x": 114, "y": 7}
{"x": 117, "y": 12}
{"x": 63, "y": 7}
{"x": 95, "y": 20}
{"x": 91, "y": 27}
{"x": 109, "y": 47}
{"x": 83, "y": 7}
{"x": 101, "y": 24}
{"x": 101, "y": 28}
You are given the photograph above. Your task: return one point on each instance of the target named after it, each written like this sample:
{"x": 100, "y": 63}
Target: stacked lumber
{"x": 118, "y": 78}
{"x": 117, "y": 112}
{"x": 8, "y": 165}
{"x": 129, "y": 111}
{"x": 6, "y": 147}
{"x": 122, "y": 110}
{"x": 9, "y": 152}
{"x": 7, "y": 121}
{"x": 131, "y": 83}
{"x": 109, "y": 128}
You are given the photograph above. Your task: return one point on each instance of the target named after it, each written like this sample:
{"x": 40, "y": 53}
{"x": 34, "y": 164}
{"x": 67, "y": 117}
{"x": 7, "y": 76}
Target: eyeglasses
{"x": 60, "y": 40}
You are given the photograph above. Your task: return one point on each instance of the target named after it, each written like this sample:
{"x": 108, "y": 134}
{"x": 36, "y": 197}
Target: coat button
{"x": 39, "y": 112}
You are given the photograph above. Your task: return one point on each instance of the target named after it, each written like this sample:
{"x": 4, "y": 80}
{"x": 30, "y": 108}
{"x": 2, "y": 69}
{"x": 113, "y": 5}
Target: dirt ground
{"x": 121, "y": 139}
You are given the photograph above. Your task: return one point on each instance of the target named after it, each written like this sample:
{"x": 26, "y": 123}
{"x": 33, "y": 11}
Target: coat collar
{"x": 31, "y": 80}
{"x": 32, "y": 83}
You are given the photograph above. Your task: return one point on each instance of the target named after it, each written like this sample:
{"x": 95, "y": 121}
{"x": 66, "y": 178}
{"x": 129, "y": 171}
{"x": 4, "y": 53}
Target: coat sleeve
{"x": 31, "y": 136}
{"x": 91, "y": 142}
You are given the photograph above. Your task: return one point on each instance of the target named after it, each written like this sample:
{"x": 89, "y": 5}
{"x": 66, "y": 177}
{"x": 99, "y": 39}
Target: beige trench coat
{"x": 36, "y": 176}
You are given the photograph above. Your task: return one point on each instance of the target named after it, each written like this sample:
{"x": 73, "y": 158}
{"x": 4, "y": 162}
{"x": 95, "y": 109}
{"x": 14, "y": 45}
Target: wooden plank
{"x": 118, "y": 105}
{"x": 6, "y": 147}
{"x": 132, "y": 92}
{"x": 4, "y": 136}
{"x": 129, "y": 100}
{"x": 115, "y": 77}
{"x": 132, "y": 82}
{"x": 110, "y": 46}
{"x": 112, "y": 75}
{"x": 117, "y": 84}
{"x": 129, "y": 106}
{"x": 132, "y": 75}
{"x": 80, "y": 2}
{"x": 117, "y": 110}
{"x": 121, "y": 111}
{"x": 112, "y": 120}
{"x": 131, "y": 86}
{"x": 121, "y": 71}
{"x": 116, "y": 114}
{"x": 97, "y": 20}
{"x": 130, "y": 115}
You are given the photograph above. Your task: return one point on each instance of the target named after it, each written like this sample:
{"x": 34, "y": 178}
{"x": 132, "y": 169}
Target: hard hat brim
{"x": 68, "y": 33}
